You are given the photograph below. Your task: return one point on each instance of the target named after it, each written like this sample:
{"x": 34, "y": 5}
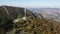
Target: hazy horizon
{"x": 32, "y": 3}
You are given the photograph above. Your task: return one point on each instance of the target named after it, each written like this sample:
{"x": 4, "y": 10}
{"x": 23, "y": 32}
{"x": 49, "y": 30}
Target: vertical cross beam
{"x": 25, "y": 11}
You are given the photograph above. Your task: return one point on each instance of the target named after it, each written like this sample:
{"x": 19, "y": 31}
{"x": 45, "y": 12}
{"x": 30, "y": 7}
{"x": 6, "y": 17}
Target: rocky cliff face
{"x": 14, "y": 11}
{"x": 9, "y": 13}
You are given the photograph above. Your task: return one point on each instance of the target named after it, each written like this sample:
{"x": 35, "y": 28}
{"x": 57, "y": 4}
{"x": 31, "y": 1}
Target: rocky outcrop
{"x": 8, "y": 14}
{"x": 14, "y": 11}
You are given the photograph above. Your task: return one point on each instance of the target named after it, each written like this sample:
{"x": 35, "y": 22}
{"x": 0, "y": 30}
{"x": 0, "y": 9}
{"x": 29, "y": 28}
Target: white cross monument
{"x": 24, "y": 14}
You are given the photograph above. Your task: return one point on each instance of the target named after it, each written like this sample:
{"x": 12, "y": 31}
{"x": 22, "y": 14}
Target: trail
{"x": 5, "y": 9}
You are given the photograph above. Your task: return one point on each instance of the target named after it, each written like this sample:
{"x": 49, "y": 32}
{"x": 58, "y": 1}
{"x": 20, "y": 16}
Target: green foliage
{"x": 32, "y": 25}
{"x": 6, "y": 22}
{"x": 38, "y": 26}
{"x": 19, "y": 16}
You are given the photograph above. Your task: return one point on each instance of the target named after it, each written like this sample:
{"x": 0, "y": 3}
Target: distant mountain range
{"x": 52, "y": 13}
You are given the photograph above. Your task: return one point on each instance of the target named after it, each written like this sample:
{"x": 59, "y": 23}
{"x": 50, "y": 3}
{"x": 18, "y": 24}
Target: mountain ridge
{"x": 52, "y": 13}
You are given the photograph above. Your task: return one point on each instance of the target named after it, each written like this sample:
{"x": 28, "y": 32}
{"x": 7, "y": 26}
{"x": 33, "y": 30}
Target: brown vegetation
{"x": 39, "y": 26}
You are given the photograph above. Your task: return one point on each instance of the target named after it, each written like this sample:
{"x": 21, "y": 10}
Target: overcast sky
{"x": 31, "y": 3}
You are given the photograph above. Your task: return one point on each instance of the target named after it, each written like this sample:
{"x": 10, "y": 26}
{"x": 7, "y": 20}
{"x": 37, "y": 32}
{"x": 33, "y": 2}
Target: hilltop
{"x": 33, "y": 25}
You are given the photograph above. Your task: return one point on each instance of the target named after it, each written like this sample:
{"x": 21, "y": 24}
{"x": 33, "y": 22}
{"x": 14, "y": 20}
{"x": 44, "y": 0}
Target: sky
{"x": 32, "y": 3}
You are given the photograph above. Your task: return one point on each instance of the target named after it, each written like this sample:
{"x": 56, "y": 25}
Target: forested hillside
{"x": 32, "y": 25}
